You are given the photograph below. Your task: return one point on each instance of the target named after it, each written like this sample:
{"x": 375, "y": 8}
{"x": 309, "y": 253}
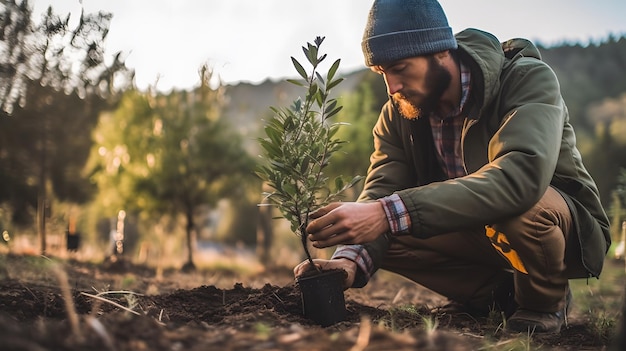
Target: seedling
{"x": 299, "y": 144}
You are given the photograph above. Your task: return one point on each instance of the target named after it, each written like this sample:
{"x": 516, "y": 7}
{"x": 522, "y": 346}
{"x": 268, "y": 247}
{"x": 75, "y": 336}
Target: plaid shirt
{"x": 447, "y": 138}
{"x": 447, "y": 133}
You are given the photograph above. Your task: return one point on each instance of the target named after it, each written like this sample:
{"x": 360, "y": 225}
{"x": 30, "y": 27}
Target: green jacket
{"x": 516, "y": 141}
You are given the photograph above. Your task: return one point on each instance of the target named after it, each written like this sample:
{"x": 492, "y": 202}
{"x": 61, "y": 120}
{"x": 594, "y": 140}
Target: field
{"x": 52, "y": 304}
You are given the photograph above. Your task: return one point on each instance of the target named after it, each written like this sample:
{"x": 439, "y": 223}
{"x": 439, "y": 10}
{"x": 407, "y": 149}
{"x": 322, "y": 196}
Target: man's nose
{"x": 393, "y": 84}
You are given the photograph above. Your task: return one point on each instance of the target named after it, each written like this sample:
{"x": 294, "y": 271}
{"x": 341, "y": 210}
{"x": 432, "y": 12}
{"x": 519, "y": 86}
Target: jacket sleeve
{"x": 522, "y": 156}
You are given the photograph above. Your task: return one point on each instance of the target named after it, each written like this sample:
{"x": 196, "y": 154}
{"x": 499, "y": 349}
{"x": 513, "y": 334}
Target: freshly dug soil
{"x": 260, "y": 312}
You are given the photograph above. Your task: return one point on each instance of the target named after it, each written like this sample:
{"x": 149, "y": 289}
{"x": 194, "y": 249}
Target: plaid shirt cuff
{"x": 359, "y": 255}
{"x": 397, "y": 214}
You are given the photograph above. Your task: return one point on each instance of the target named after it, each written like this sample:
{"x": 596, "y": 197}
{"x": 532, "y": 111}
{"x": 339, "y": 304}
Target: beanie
{"x": 397, "y": 29}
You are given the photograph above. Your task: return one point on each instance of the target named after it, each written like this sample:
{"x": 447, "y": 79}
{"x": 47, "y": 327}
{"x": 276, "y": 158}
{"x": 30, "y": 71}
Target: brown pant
{"x": 466, "y": 267}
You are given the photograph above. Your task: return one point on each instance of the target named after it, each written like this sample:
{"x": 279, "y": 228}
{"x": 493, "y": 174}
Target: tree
{"x": 55, "y": 55}
{"x": 299, "y": 144}
{"x": 604, "y": 160}
{"x": 172, "y": 154}
{"x": 54, "y": 80}
{"x": 617, "y": 213}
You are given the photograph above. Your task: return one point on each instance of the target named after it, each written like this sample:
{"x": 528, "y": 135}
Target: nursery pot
{"x": 322, "y": 296}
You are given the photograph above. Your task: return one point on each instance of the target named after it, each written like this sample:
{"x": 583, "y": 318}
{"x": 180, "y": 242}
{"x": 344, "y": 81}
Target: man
{"x": 475, "y": 187}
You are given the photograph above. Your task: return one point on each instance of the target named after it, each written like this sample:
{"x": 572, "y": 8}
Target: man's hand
{"x": 338, "y": 263}
{"x": 347, "y": 223}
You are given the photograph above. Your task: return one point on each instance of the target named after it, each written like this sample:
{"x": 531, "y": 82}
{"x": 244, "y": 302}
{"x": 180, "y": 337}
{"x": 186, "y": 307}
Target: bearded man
{"x": 476, "y": 189}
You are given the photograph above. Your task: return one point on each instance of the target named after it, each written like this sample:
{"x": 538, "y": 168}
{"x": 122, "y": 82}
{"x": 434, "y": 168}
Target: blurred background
{"x": 128, "y": 129}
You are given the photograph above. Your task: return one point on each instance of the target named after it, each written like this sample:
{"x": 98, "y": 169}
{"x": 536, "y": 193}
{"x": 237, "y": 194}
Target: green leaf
{"x": 320, "y": 79}
{"x": 273, "y": 134}
{"x": 305, "y": 165}
{"x": 289, "y": 188}
{"x": 332, "y": 70}
{"x": 299, "y": 68}
{"x": 333, "y": 84}
{"x": 339, "y": 183}
{"x": 296, "y": 82}
{"x": 333, "y": 130}
{"x": 321, "y": 58}
{"x": 330, "y": 106}
{"x": 297, "y": 105}
{"x": 355, "y": 180}
{"x": 279, "y": 166}
{"x": 289, "y": 124}
{"x": 334, "y": 112}
{"x": 274, "y": 109}
{"x": 262, "y": 174}
{"x": 311, "y": 54}
{"x": 312, "y": 90}
{"x": 271, "y": 149}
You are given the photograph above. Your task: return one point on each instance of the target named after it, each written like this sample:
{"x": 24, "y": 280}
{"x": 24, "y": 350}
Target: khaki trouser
{"x": 467, "y": 266}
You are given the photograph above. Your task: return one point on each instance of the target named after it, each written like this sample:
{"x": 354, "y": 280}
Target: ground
{"x": 120, "y": 306}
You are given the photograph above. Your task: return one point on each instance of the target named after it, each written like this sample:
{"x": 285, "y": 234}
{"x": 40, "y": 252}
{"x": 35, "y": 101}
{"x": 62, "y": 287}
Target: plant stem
{"x": 303, "y": 238}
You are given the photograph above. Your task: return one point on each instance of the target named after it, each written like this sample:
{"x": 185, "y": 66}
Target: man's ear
{"x": 442, "y": 55}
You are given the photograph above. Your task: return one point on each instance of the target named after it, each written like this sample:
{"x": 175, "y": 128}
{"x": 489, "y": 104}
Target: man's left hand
{"x": 347, "y": 223}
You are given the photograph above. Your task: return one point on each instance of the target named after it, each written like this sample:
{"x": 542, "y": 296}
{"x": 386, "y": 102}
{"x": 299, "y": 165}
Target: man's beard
{"x": 437, "y": 81}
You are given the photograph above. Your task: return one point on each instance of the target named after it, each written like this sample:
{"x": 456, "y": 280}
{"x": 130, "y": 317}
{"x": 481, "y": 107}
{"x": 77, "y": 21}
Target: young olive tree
{"x": 174, "y": 154}
{"x": 299, "y": 143}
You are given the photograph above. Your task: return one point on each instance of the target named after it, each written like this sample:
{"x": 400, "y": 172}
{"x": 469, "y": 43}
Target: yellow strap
{"x": 501, "y": 243}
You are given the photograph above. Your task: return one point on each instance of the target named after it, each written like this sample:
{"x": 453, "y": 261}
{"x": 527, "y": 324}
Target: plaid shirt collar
{"x": 465, "y": 89}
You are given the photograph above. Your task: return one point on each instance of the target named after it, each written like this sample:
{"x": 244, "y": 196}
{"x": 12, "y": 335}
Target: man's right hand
{"x": 338, "y": 263}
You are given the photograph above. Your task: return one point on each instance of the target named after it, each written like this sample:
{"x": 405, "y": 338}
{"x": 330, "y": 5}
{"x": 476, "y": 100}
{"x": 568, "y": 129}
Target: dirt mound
{"x": 388, "y": 315}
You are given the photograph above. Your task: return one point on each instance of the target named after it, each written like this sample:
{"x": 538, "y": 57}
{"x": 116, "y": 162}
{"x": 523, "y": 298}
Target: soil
{"x": 137, "y": 308}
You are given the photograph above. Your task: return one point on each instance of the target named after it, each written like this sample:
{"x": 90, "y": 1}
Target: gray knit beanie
{"x": 397, "y": 29}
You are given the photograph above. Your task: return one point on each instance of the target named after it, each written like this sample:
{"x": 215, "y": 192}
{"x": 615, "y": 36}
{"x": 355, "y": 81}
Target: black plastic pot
{"x": 322, "y": 296}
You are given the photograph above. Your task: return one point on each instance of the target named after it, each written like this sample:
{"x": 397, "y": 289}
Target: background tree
{"x": 588, "y": 74}
{"x": 604, "y": 160}
{"x": 54, "y": 55}
{"x": 616, "y": 211}
{"x": 167, "y": 155}
{"x": 54, "y": 80}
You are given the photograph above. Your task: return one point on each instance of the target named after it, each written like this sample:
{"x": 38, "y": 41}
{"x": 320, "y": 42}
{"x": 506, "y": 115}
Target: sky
{"x": 167, "y": 41}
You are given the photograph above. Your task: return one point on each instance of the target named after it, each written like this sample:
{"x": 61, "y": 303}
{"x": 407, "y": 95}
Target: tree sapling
{"x": 299, "y": 143}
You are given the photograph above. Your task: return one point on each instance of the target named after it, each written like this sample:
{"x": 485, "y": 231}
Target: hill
{"x": 588, "y": 75}
{"x": 248, "y": 104}
{"x": 591, "y": 80}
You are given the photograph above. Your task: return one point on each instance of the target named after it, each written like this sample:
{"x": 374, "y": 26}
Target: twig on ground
{"x": 118, "y": 292}
{"x": 277, "y": 297}
{"x": 398, "y": 296}
{"x": 67, "y": 297}
{"x": 97, "y": 297}
{"x": 30, "y": 291}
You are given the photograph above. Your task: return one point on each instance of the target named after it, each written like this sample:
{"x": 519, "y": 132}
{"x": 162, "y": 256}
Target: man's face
{"x": 416, "y": 85}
